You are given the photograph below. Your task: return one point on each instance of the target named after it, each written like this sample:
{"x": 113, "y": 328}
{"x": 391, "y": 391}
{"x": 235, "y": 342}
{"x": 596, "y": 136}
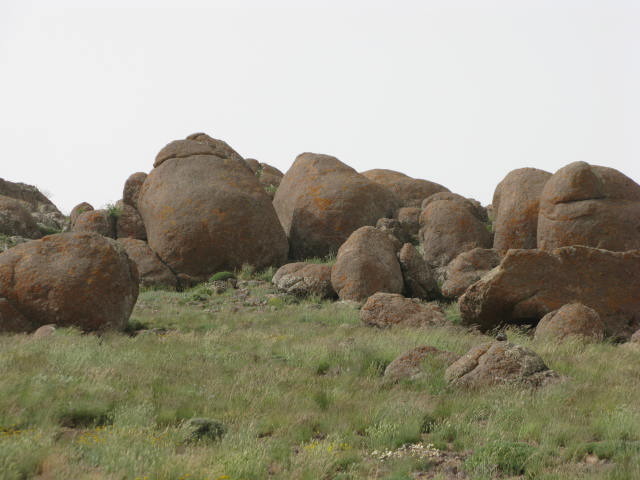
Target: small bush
{"x": 206, "y": 429}
{"x": 221, "y": 276}
{"x": 508, "y": 458}
{"x": 271, "y": 189}
{"x": 113, "y": 210}
{"x": 85, "y": 417}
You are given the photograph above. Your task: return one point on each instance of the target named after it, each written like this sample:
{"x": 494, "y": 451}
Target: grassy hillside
{"x": 297, "y": 389}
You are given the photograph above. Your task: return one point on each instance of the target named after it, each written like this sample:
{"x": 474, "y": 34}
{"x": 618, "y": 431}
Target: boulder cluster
{"x": 558, "y": 250}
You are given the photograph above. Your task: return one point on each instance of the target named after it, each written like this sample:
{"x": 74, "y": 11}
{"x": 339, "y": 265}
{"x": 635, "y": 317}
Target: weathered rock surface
{"x": 204, "y": 213}
{"x": 77, "y": 211}
{"x": 268, "y": 176}
{"x": 467, "y": 268}
{"x": 132, "y": 186}
{"x": 450, "y": 227}
{"x": 321, "y": 201}
{"x": 303, "y": 279}
{"x": 151, "y": 270}
{"x": 388, "y": 309}
{"x": 589, "y": 205}
{"x": 15, "y": 219}
{"x": 35, "y": 202}
{"x": 499, "y": 363}
{"x": 409, "y": 218}
{"x": 574, "y": 319}
{"x": 129, "y": 223}
{"x": 419, "y": 279}
{"x": 394, "y": 228}
{"x": 71, "y": 279}
{"x": 366, "y": 264}
{"x": 473, "y": 205}
{"x": 95, "y": 221}
{"x": 515, "y": 206}
{"x": 198, "y": 144}
{"x": 528, "y": 284}
{"x": 410, "y": 191}
{"x": 409, "y": 365}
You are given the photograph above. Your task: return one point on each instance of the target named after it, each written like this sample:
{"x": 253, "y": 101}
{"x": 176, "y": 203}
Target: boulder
{"x": 132, "y": 186}
{"x": 83, "y": 280}
{"x": 528, "y": 284}
{"x": 467, "y": 268}
{"x": 198, "y": 144}
{"x": 410, "y": 191}
{"x": 35, "y": 202}
{"x": 152, "y": 272}
{"x": 15, "y": 219}
{"x": 129, "y": 223}
{"x": 515, "y": 208}
{"x": 409, "y": 365}
{"x": 450, "y": 227}
{"x": 366, "y": 264}
{"x": 303, "y": 279}
{"x": 574, "y": 319}
{"x": 409, "y": 218}
{"x": 419, "y": 279}
{"x": 101, "y": 222}
{"x": 473, "y": 205}
{"x": 204, "y": 213}
{"x": 269, "y": 177}
{"x": 44, "y": 331}
{"x": 321, "y": 201}
{"x": 499, "y": 362}
{"x": 592, "y": 206}
{"x": 388, "y": 309}
{"x": 77, "y": 211}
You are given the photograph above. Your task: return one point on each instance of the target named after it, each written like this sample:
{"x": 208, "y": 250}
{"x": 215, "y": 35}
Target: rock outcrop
{"x": 101, "y": 222}
{"x": 15, "y": 219}
{"x": 419, "y": 278}
{"x": 588, "y": 205}
{"x": 528, "y": 284}
{"x": 515, "y": 206}
{"x": 71, "y": 279}
{"x": 467, "y": 268}
{"x": 321, "y": 201}
{"x": 205, "y": 211}
{"x": 131, "y": 190}
{"x": 366, "y": 264}
{"x": 43, "y": 211}
{"x": 151, "y": 270}
{"x": 388, "y": 309}
{"x": 410, "y": 191}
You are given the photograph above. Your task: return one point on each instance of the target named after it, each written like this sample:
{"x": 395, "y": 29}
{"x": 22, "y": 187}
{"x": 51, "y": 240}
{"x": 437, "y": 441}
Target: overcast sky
{"x": 457, "y": 92}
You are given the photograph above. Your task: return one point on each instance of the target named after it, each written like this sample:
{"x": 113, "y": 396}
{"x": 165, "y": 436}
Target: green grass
{"x": 295, "y": 391}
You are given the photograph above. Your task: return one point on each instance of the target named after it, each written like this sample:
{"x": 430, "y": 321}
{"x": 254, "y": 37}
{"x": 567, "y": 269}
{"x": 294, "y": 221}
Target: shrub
{"x": 221, "y": 276}
{"x": 508, "y": 458}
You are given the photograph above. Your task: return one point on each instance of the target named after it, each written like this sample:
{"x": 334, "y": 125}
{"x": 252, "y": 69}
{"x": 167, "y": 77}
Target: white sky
{"x": 457, "y": 92}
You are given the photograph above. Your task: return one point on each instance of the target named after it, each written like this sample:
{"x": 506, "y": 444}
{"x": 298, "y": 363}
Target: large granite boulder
{"x": 467, "y": 268}
{"x": 589, "y": 205}
{"x": 450, "y": 227}
{"x": 410, "y": 191}
{"x": 131, "y": 190}
{"x": 151, "y": 270}
{"x": 499, "y": 363}
{"x": 304, "y": 279}
{"x": 129, "y": 223}
{"x": 268, "y": 176}
{"x": 419, "y": 278}
{"x": 571, "y": 320}
{"x": 515, "y": 208}
{"x": 366, "y": 264}
{"x": 206, "y": 213}
{"x": 528, "y": 284}
{"x": 77, "y": 211}
{"x": 15, "y": 219}
{"x": 321, "y": 201}
{"x": 36, "y": 203}
{"x": 72, "y": 279}
{"x": 389, "y": 309}
{"x": 102, "y": 222}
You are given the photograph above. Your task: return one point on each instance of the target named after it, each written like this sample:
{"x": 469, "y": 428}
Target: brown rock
{"x": 410, "y": 191}
{"x": 95, "y": 221}
{"x": 635, "y": 338}
{"x": 499, "y": 363}
{"x": 473, "y": 205}
{"x": 198, "y": 144}
{"x": 528, "y": 284}
{"x": 303, "y": 279}
{"x": 269, "y": 177}
{"x": 419, "y": 279}
{"x": 321, "y": 201}
{"x": 388, "y": 309}
{"x": 77, "y": 210}
{"x": 204, "y": 214}
{"x": 129, "y": 223}
{"x": 132, "y": 187}
{"x": 515, "y": 206}
{"x": 253, "y": 164}
{"x": 409, "y": 365}
{"x": 467, "y": 268}
{"x": 592, "y": 206}
{"x": 35, "y": 202}
{"x": 366, "y": 264}
{"x": 394, "y": 228}
{"x": 15, "y": 219}
{"x": 450, "y": 227}
{"x": 71, "y": 279}
{"x": 44, "y": 331}
{"x": 152, "y": 272}
{"x": 574, "y": 319}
